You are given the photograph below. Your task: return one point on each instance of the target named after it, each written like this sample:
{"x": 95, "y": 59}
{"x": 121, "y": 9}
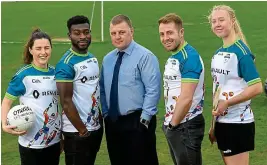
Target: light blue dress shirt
{"x": 139, "y": 81}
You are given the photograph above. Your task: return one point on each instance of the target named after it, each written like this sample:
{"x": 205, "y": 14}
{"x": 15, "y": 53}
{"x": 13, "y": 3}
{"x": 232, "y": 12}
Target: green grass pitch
{"x": 18, "y": 19}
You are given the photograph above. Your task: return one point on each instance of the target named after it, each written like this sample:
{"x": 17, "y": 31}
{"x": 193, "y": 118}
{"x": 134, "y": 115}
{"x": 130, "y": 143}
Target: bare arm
{"x": 247, "y": 94}
{"x": 6, "y": 105}
{"x": 183, "y": 103}
{"x": 66, "y": 92}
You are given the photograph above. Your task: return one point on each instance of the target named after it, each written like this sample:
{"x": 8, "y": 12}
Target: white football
{"x": 21, "y": 116}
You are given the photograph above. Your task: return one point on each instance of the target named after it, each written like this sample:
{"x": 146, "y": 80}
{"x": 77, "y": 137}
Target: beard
{"x": 81, "y": 48}
{"x": 175, "y": 44}
{"x": 176, "y": 47}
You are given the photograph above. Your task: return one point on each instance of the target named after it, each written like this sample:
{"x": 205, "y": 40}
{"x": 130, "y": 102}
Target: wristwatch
{"x": 145, "y": 122}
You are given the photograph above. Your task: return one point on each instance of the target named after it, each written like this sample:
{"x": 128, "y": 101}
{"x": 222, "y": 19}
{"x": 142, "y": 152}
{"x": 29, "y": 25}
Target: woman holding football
{"x": 35, "y": 86}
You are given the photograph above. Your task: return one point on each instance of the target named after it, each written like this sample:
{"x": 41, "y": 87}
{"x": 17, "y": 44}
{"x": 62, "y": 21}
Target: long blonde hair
{"x": 232, "y": 15}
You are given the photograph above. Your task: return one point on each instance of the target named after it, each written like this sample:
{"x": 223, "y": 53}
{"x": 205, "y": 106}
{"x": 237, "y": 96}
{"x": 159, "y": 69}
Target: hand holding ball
{"x": 21, "y": 116}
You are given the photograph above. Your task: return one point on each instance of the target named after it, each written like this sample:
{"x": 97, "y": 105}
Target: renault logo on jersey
{"x": 84, "y": 79}
{"x": 168, "y": 77}
{"x": 220, "y": 71}
{"x": 49, "y": 93}
{"x": 93, "y": 77}
{"x": 36, "y": 94}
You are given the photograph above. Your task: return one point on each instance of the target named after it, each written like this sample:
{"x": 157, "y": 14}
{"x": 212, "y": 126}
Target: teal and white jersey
{"x": 36, "y": 88}
{"x": 233, "y": 70}
{"x": 83, "y": 71}
{"x": 185, "y": 65}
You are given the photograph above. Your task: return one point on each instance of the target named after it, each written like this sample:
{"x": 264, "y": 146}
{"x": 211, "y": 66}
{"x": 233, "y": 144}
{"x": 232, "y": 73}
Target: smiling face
{"x": 41, "y": 52}
{"x": 80, "y": 36}
{"x": 121, "y": 35}
{"x": 171, "y": 36}
{"x": 221, "y": 23}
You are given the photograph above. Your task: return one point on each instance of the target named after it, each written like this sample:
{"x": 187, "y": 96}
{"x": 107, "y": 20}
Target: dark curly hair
{"x": 78, "y": 19}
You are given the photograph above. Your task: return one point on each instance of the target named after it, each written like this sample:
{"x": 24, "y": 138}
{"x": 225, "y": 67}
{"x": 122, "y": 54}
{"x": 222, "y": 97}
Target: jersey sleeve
{"x": 64, "y": 72}
{"x": 247, "y": 70}
{"x": 15, "y": 88}
{"x": 191, "y": 69}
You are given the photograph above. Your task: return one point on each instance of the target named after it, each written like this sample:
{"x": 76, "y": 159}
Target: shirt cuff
{"x": 11, "y": 97}
{"x": 254, "y": 81}
{"x": 145, "y": 116}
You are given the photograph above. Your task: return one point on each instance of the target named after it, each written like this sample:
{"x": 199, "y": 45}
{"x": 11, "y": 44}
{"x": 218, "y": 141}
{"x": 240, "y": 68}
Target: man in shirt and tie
{"x": 130, "y": 91}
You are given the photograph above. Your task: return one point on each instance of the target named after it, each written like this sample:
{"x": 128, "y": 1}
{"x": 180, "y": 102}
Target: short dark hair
{"x": 121, "y": 18}
{"x": 78, "y": 19}
{"x": 36, "y": 34}
{"x": 171, "y": 17}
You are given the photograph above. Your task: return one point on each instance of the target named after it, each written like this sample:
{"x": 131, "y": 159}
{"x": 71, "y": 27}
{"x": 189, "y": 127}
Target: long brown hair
{"x": 36, "y": 34}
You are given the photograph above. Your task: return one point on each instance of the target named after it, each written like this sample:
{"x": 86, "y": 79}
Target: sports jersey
{"x": 83, "y": 71}
{"x": 185, "y": 65}
{"x": 36, "y": 88}
{"x": 233, "y": 70}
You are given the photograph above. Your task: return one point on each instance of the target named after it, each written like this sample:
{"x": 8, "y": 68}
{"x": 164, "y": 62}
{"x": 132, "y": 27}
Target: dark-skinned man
{"x": 77, "y": 77}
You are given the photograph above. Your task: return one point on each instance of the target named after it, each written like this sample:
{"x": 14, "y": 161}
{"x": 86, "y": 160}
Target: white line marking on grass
{"x": 19, "y": 42}
{"x": 56, "y": 41}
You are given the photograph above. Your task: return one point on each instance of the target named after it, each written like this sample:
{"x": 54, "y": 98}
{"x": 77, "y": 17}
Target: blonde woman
{"x": 234, "y": 72}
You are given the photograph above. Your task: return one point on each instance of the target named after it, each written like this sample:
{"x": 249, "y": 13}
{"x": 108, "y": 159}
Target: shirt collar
{"x": 78, "y": 54}
{"x": 129, "y": 49}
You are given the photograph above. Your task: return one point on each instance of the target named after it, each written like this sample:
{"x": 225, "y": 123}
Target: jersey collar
{"x": 177, "y": 51}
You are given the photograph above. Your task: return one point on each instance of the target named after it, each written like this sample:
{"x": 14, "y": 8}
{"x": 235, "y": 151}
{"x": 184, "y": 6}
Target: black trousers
{"x": 82, "y": 150}
{"x": 185, "y": 141}
{"x": 45, "y": 156}
{"x": 129, "y": 142}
